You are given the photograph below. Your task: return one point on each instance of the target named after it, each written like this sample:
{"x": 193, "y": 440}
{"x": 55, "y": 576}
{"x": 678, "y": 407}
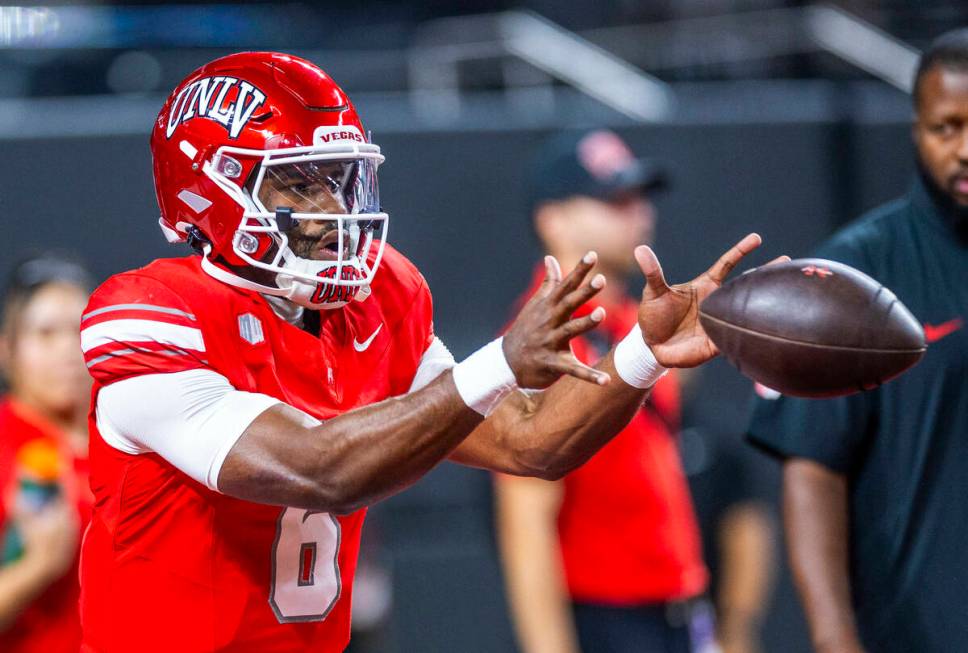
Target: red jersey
{"x": 51, "y": 623}
{"x": 170, "y": 565}
{"x": 626, "y": 526}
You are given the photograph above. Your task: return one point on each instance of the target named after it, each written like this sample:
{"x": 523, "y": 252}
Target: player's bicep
{"x": 191, "y": 419}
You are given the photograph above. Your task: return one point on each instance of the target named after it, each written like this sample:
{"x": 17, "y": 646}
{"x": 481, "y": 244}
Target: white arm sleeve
{"x": 434, "y": 362}
{"x": 191, "y": 419}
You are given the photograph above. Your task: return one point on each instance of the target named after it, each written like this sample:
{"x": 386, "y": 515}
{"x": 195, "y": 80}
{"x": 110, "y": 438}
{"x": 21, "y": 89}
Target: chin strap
{"x": 231, "y": 279}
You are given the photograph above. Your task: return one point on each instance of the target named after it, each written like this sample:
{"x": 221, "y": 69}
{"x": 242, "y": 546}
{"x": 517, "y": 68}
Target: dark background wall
{"x": 457, "y": 202}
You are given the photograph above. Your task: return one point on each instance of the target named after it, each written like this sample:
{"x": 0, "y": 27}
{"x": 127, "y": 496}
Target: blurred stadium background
{"x": 787, "y": 118}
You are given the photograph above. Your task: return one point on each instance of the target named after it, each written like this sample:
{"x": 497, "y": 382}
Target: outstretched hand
{"x": 669, "y": 315}
{"x": 536, "y": 345}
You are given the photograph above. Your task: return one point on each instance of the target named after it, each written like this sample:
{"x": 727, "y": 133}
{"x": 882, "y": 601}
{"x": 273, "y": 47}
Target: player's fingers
{"x": 578, "y": 326}
{"x": 721, "y": 268}
{"x": 568, "y": 364}
{"x": 576, "y": 276}
{"x": 570, "y": 303}
{"x": 655, "y": 283}
{"x": 552, "y": 276}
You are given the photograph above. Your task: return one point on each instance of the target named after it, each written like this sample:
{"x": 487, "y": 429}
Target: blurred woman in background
{"x": 46, "y": 499}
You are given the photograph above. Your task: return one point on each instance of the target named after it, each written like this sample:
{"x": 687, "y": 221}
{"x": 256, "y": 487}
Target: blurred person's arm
{"x": 527, "y": 513}
{"x": 815, "y": 517}
{"x": 746, "y": 549}
{"x": 50, "y": 545}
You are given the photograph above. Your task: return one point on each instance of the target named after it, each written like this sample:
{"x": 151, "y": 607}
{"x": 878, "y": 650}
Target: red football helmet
{"x": 261, "y": 162}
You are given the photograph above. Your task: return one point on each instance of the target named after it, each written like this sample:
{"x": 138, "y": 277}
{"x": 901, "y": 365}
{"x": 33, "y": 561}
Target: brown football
{"x": 812, "y": 328}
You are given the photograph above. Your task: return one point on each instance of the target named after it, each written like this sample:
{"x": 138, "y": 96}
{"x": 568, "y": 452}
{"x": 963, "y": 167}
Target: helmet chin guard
{"x": 315, "y": 294}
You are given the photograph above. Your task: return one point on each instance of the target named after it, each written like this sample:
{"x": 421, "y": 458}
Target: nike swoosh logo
{"x": 362, "y": 346}
{"x": 935, "y": 332}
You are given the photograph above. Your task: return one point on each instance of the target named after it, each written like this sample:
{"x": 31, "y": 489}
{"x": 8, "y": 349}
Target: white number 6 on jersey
{"x": 305, "y": 571}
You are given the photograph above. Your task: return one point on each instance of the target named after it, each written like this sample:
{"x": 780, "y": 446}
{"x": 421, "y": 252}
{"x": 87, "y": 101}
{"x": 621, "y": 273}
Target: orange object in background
{"x": 38, "y": 468}
{"x": 40, "y": 461}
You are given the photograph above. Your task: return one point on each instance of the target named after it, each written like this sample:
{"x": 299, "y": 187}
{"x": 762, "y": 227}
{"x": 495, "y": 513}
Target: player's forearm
{"x": 558, "y": 430}
{"x": 573, "y": 420}
{"x": 815, "y": 517}
{"x": 352, "y": 460}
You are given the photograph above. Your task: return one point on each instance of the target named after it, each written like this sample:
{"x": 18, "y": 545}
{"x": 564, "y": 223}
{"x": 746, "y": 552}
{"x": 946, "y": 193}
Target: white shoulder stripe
{"x": 141, "y": 331}
{"x": 138, "y": 307}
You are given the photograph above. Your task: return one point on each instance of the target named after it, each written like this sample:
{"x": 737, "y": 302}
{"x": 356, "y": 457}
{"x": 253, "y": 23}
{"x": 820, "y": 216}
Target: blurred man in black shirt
{"x": 875, "y": 483}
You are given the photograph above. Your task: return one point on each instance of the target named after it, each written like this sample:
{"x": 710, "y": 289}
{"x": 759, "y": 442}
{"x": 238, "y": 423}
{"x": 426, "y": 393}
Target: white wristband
{"x": 484, "y": 378}
{"x": 635, "y": 362}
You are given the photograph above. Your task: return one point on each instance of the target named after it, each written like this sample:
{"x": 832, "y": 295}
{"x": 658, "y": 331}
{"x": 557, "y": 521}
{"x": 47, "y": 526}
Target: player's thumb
{"x": 655, "y": 284}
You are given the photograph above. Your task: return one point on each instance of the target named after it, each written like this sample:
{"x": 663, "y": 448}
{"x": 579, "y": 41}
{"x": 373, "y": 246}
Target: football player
{"x": 251, "y": 401}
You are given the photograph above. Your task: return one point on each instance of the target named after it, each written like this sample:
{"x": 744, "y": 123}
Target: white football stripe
{"x": 137, "y": 307}
{"x": 141, "y": 331}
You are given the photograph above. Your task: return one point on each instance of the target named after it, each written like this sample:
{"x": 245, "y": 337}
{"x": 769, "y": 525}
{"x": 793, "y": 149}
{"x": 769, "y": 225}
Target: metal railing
{"x": 609, "y": 64}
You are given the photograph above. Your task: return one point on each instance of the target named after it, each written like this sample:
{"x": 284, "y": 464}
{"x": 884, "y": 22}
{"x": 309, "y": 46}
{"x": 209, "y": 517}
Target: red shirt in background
{"x": 51, "y": 624}
{"x": 627, "y": 528}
